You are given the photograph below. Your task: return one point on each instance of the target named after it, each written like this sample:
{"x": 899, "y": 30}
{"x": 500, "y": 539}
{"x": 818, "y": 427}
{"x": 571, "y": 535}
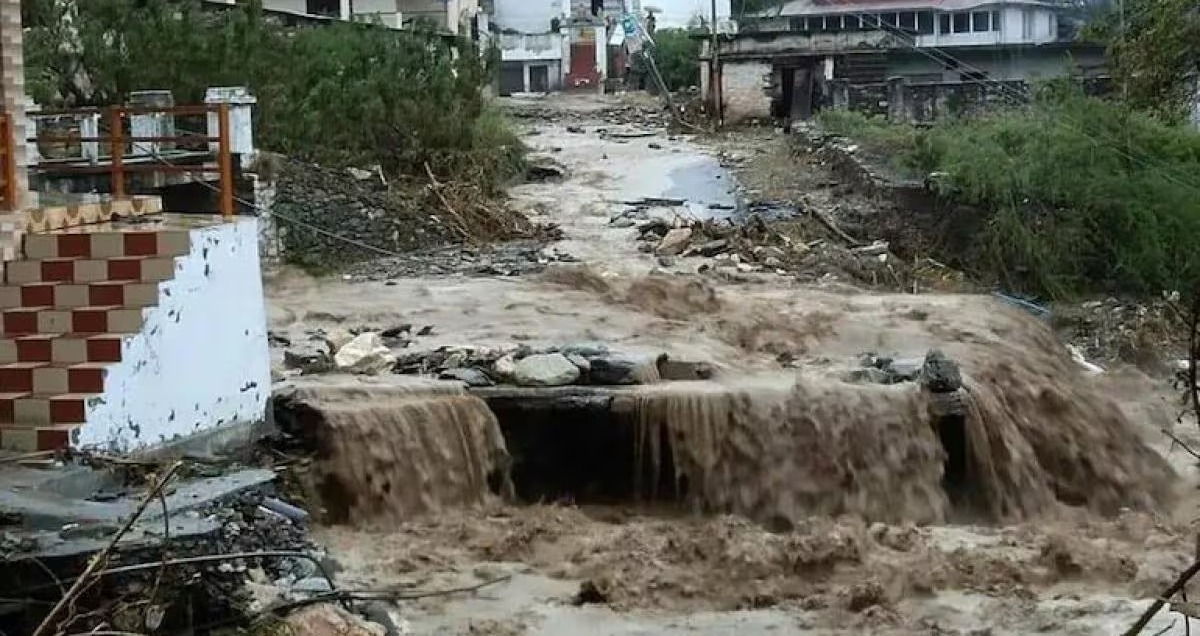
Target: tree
{"x": 342, "y": 94}
{"x": 746, "y": 7}
{"x": 677, "y": 55}
{"x": 1154, "y": 52}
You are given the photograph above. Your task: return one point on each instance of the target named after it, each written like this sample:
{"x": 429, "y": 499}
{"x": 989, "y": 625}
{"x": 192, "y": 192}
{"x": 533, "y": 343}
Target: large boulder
{"x": 366, "y": 353}
{"x": 545, "y": 369}
{"x": 616, "y": 369}
{"x": 674, "y": 242}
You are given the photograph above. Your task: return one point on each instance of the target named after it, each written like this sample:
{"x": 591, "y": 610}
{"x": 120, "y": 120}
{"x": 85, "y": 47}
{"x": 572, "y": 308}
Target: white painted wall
{"x": 528, "y": 16}
{"x": 520, "y": 46}
{"x": 293, "y": 6}
{"x": 1018, "y": 25}
{"x": 744, "y": 85}
{"x": 201, "y": 360}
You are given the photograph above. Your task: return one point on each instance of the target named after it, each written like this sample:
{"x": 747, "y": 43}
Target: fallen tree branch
{"x": 833, "y": 227}
{"x": 1176, "y": 440}
{"x": 1179, "y": 584}
{"x": 381, "y": 595}
{"x": 437, "y": 189}
{"x": 102, "y": 556}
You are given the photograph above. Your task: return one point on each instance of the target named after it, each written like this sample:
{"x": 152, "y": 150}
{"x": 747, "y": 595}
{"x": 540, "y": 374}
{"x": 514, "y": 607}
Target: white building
{"x": 787, "y": 61}
{"x": 453, "y": 16}
{"x": 548, "y": 45}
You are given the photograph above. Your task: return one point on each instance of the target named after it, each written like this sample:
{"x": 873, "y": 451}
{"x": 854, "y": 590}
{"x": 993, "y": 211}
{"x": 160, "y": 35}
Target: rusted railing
{"x": 8, "y": 165}
{"x": 118, "y": 165}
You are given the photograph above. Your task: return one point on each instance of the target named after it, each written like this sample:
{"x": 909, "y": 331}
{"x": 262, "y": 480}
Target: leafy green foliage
{"x": 1083, "y": 194}
{"x": 1154, "y": 51}
{"x": 336, "y": 94}
{"x": 677, "y": 55}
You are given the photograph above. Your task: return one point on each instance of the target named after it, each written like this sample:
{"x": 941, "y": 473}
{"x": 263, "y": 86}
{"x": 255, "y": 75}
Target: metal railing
{"x": 130, "y": 154}
{"x": 8, "y": 165}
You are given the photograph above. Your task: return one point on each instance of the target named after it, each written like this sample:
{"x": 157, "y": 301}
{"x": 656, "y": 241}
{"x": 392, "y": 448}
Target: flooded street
{"x": 791, "y": 349}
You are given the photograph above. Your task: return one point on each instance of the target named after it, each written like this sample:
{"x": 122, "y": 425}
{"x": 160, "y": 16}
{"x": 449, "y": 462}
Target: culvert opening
{"x": 581, "y": 450}
{"x": 952, "y": 433}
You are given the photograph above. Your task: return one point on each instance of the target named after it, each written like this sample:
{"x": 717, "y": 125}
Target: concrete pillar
{"x": 89, "y": 126}
{"x": 601, "y": 54}
{"x": 12, "y": 89}
{"x": 151, "y": 124}
{"x": 896, "y": 98}
{"x": 241, "y": 118}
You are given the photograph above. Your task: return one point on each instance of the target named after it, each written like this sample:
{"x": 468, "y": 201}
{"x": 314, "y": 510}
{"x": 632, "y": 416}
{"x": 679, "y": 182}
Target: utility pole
{"x": 714, "y": 69}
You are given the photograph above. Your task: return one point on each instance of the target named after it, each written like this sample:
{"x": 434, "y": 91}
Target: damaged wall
{"x": 747, "y": 88}
{"x": 201, "y": 360}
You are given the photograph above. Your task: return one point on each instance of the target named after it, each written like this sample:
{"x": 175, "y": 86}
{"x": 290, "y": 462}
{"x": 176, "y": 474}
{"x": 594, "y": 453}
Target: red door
{"x": 583, "y": 65}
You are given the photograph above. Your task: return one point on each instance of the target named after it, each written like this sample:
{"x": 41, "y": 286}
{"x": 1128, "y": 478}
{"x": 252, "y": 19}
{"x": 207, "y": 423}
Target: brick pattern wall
{"x": 746, "y": 90}
{"x": 12, "y": 102}
{"x": 12, "y": 83}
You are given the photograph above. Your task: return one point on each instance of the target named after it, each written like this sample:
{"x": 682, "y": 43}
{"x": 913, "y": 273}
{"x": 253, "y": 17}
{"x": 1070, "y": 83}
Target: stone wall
{"x": 746, "y": 90}
{"x": 931, "y": 101}
{"x": 914, "y": 102}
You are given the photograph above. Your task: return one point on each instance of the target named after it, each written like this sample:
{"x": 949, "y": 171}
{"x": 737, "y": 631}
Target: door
{"x": 583, "y": 65}
{"x": 539, "y": 79}
{"x": 512, "y": 78}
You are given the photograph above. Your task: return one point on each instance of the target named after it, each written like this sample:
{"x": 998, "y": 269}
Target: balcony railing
{"x": 103, "y": 141}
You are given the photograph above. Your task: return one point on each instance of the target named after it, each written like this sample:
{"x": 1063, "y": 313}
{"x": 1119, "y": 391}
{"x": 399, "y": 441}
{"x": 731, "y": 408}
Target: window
{"x": 908, "y": 21}
{"x": 944, "y": 23}
{"x": 995, "y": 20}
{"x": 962, "y": 22}
{"x": 925, "y": 23}
{"x": 853, "y": 22}
{"x": 797, "y": 24}
{"x": 981, "y": 21}
{"x": 329, "y": 8}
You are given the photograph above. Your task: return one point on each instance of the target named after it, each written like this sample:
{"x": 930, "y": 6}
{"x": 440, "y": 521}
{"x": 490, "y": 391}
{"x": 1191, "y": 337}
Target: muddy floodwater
{"x": 785, "y": 499}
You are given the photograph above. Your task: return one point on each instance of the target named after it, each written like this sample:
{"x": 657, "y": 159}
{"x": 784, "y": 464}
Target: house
{"x": 457, "y": 17}
{"x": 911, "y": 59}
{"x": 548, "y": 45}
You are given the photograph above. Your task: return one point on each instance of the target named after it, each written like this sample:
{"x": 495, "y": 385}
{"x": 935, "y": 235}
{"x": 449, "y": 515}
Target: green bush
{"x": 341, "y": 94}
{"x": 1083, "y": 194}
{"x": 677, "y": 55}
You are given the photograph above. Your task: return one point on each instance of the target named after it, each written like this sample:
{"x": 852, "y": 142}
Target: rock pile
{"x": 369, "y": 352}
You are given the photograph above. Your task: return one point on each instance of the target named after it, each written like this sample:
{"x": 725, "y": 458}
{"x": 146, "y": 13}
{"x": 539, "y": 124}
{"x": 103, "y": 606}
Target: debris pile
{"x": 157, "y": 548}
{"x": 332, "y": 217}
{"x": 509, "y": 258}
{"x": 1112, "y": 330}
{"x": 781, "y": 247}
{"x": 362, "y": 351}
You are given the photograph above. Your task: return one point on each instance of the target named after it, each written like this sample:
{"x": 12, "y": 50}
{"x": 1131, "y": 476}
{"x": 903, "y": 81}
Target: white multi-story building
{"x": 460, "y": 17}
{"x": 784, "y": 61}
